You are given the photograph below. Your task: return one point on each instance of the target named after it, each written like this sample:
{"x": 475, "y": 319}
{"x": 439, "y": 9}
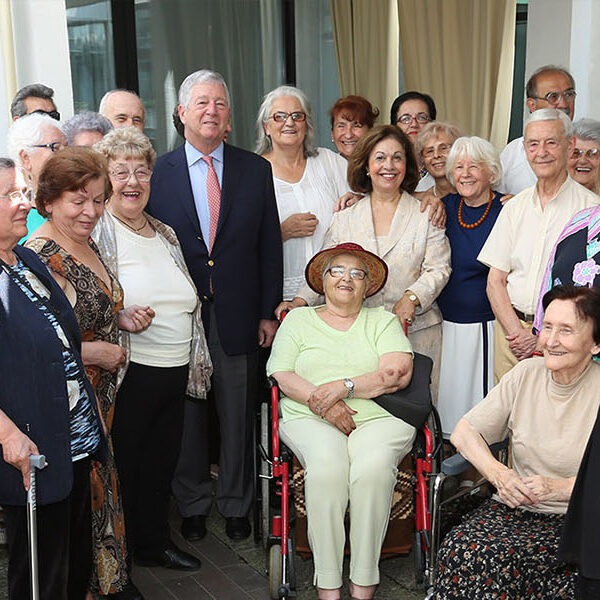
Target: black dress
{"x": 580, "y": 543}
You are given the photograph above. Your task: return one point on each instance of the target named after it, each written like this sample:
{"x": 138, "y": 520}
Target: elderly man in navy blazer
{"x": 221, "y": 202}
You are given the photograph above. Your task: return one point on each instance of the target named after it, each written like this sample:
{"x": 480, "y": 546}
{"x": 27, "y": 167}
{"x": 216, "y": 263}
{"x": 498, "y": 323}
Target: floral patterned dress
{"x": 96, "y": 309}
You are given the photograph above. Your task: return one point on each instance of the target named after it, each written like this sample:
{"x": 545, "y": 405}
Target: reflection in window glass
{"x": 316, "y": 67}
{"x": 89, "y": 25}
{"x": 240, "y": 39}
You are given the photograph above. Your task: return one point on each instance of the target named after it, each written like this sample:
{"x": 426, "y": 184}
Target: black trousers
{"x": 587, "y": 589}
{"x": 64, "y": 544}
{"x": 146, "y": 438}
{"x": 233, "y": 390}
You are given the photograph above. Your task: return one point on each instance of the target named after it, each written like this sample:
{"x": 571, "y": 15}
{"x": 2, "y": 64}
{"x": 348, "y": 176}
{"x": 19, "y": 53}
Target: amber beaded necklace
{"x": 479, "y": 221}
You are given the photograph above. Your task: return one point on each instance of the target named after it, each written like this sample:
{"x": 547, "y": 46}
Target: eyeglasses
{"x": 54, "y": 146}
{"x": 552, "y": 98}
{"x": 338, "y": 272}
{"x": 14, "y": 196}
{"x": 591, "y": 153}
{"x": 431, "y": 151}
{"x": 51, "y": 113}
{"x": 282, "y": 117}
{"x": 141, "y": 174}
{"x": 421, "y": 117}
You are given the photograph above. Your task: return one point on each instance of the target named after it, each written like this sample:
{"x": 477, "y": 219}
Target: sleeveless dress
{"x": 96, "y": 309}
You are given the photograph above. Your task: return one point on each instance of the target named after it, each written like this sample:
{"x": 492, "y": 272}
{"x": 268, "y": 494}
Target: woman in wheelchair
{"x": 329, "y": 362}
{"x": 508, "y": 547}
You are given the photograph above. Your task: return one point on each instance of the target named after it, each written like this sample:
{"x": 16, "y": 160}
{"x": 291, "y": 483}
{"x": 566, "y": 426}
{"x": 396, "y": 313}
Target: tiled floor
{"x": 236, "y": 570}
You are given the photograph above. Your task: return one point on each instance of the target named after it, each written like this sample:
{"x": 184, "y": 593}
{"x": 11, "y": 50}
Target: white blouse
{"x": 150, "y": 276}
{"x": 323, "y": 182}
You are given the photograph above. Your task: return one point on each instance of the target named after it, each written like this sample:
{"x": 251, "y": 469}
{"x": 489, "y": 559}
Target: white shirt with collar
{"x": 517, "y": 174}
{"x": 524, "y": 235}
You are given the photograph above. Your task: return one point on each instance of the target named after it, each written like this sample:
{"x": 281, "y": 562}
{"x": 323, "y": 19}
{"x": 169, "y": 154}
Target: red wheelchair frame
{"x": 279, "y": 540}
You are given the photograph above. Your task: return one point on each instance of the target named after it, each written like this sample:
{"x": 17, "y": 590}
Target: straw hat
{"x": 378, "y": 270}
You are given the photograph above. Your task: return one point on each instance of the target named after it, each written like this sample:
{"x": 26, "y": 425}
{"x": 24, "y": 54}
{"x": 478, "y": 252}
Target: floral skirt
{"x": 505, "y": 554}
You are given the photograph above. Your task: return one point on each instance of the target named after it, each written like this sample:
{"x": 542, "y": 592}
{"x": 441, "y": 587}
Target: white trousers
{"x": 360, "y": 470}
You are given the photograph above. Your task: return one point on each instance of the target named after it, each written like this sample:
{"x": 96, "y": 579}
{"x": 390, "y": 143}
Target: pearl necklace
{"x": 478, "y": 222}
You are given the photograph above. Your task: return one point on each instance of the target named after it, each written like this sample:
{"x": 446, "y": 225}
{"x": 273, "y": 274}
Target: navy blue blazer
{"x": 33, "y": 390}
{"x": 246, "y": 262}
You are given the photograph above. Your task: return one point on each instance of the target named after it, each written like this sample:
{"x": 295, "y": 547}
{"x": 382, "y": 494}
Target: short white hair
{"x": 85, "y": 121}
{"x": 479, "y": 151}
{"x": 27, "y": 132}
{"x": 263, "y": 142}
{"x": 201, "y": 76}
{"x": 550, "y": 114}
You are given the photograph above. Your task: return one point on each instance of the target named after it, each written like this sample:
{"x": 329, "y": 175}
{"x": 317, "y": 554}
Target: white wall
{"x": 564, "y": 32}
{"x": 41, "y": 49}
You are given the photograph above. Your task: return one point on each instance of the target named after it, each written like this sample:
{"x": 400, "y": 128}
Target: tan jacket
{"x": 417, "y": 255}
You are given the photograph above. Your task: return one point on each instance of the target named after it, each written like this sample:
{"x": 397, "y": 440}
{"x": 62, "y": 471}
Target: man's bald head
{"x": 123, "y": 109}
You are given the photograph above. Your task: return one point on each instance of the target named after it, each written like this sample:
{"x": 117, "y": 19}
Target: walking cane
{"x": 36, "y": 461}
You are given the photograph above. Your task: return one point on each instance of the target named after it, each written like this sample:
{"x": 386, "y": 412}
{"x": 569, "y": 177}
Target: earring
{"x": 368, "y": 174}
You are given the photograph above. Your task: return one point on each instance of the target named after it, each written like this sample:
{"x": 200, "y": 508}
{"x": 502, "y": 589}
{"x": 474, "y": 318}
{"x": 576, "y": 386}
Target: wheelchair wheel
{"x": 275, "y": 571}
{"x": 419, "y": 561}
{"x": 265, "y": 484}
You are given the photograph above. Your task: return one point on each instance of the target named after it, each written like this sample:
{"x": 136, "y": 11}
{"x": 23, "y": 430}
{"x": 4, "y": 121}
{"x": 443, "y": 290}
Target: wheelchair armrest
{"x": 458, "y": 463}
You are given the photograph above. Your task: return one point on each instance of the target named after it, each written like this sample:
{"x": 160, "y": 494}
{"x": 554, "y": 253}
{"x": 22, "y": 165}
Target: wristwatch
{"x": 350, "y": 387}
{"x": 412, "y": 297}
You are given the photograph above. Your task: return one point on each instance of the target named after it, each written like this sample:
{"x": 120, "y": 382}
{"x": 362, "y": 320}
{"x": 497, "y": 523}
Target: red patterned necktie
{"x": 213, "y": 193}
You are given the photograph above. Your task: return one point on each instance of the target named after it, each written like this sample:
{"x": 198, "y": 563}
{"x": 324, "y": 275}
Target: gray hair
{"x": 550, "y": 114}
{"x": 587, "y": 129}
{"x": 102, "y": 107}
{"x": 435, "y": 128}
{"x": 35, "y": 90}
{"x": 531, "y": 87}
{"x": 85, "y": 121}
{"x": 124, "y": 143}
{"x": 479, "y": 151}
{"x": 329, "y": 262}
{"x": 6, "y": 163}
{"x": 201, "y": 76}
{"x": 27, "y": 132}
{"x": 263, "y": 141}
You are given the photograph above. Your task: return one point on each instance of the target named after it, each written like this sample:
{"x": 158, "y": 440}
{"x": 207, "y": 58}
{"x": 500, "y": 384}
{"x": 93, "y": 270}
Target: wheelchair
{"x": 274, "y": 514}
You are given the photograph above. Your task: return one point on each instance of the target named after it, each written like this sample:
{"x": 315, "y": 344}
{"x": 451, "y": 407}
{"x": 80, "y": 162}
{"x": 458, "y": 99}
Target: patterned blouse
{"x": 575, "y": 258}
{"x": 84, "y": 427}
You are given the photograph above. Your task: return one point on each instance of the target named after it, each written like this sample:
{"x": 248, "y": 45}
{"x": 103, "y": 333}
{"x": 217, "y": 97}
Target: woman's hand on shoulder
{"x": 288, "y": 305}
{"x": 549, "y": 489}
{"x": 101, "y": 354}
{"x": 340, "y": 415}
{"x": 506, "y": 198}
{"x": 299, "y": 225}
{"x": 326, "y": 395}
{"x": 513, "y": 490}
{"x": 437, "y": 210}
{"x": 405, "y": 310}
{"x": 16, "y": 449}
{"x": 346, "y": 201}
{"x": 136, "y": 318}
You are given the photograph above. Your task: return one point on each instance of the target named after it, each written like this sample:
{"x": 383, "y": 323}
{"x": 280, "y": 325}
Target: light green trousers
{"x": 360, "y": 470}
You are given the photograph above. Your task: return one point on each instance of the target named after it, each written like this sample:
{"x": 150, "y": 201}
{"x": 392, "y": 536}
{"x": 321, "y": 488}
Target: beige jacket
{"x": 417, "y": 255}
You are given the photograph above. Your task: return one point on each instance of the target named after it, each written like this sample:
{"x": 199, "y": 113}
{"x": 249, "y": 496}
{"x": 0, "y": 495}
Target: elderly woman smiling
{"x": 330, "y": 361}
{"x": 585, "y": 158}
{"x": 508, "y": 547}
{"x": 308, "y": 181}
{"x": 351, "y": 118}
{"x": 168, "y": 360}
{"x": 47, "y": 406}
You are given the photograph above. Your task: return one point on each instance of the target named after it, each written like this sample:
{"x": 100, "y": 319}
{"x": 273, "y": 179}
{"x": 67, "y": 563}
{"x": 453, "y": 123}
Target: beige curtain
{"x": 367, "y": 49}
{"x": 461, "y": 52}
{"x": 7, "y": 52}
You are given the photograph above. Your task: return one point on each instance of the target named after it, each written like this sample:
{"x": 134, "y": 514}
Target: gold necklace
{"x": 129, "y": 226}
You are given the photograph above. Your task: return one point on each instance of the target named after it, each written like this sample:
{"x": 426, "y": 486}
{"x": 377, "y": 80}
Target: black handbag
{"x": 413, "y": 403}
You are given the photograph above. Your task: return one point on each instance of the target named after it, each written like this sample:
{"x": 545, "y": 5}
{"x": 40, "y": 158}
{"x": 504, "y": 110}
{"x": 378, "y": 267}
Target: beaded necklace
{"x": 479, "y": 221}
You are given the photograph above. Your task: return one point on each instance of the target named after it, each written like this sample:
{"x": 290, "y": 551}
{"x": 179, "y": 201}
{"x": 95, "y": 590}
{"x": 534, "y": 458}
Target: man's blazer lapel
{"x": 231, "y": 176}
{"x": 182, "y": 188}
